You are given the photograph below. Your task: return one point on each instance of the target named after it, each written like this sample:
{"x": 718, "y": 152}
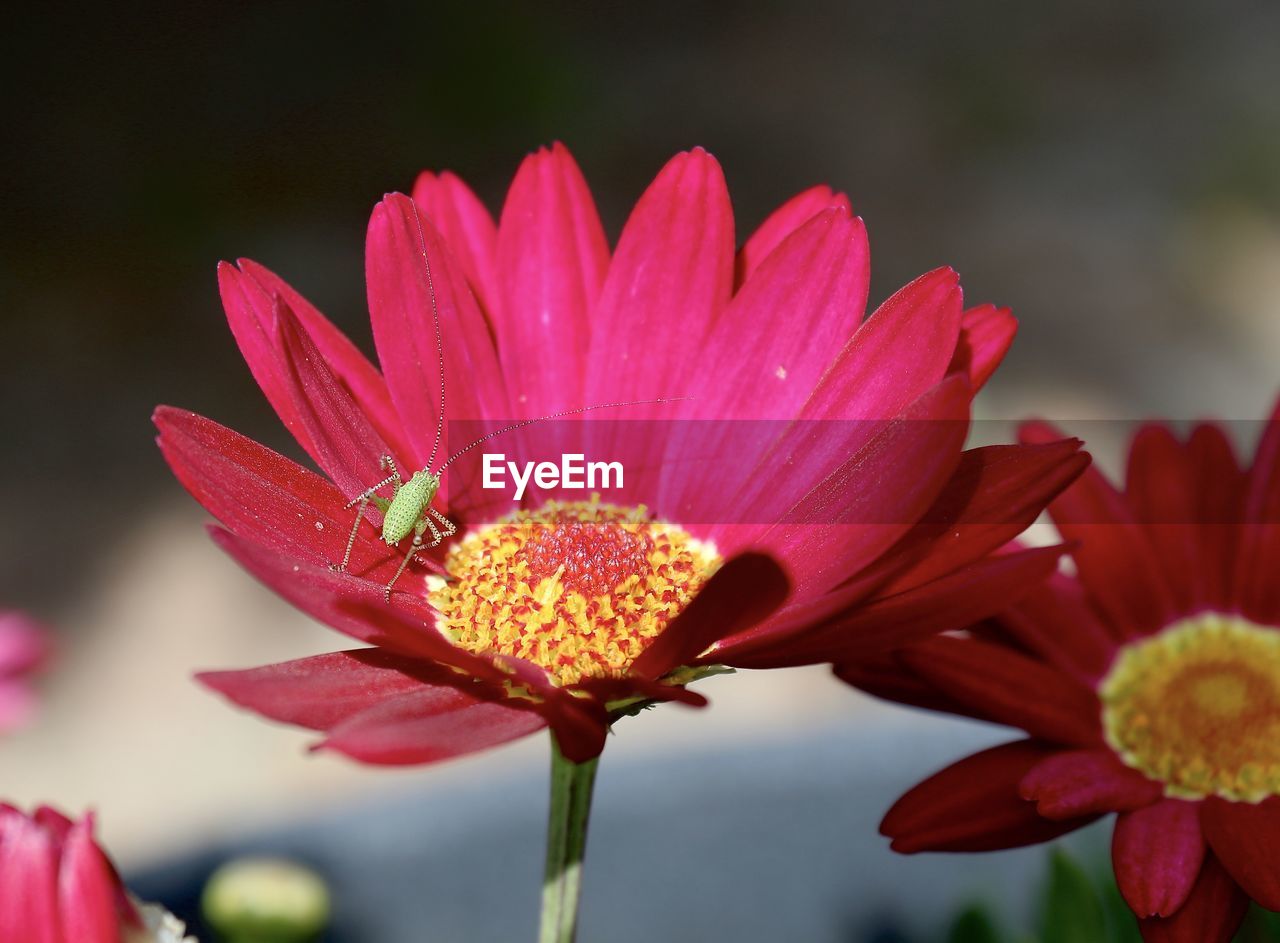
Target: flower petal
{"x": 409, "y": 271}
{"x": 28, "y": 882}
{"x": 321, "y": 691}
{"x": 746, "y": 590}
{"x": 1054, "y": 621}
{"x": 1114, "y": 558}
{"x": 460, "y": 217}
{"x": 1083, "y": 782}
{"x": 973, "y": 805}
{"x": 670, "y": 277}
{"x": 1245, "y": 836}
{"x": 1010, "y": 688}
{"x": 89, "y": 894}
{"x": 1213, "y": 912}
{"x": 1158, "y": 852}
{"x": 552, "y": 260}
{"x": 986, "y": 333}
{"x": 420, "y": 727}
{"x": 782, "y": 222}
{"x": 1257, "y": 588}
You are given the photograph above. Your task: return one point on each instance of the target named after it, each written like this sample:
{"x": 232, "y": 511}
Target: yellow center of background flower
{"x": 1197, "y": 707}
{"x": 579, "y": 588}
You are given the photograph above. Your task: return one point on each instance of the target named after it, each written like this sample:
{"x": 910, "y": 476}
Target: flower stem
{"x": 571, "y": 786}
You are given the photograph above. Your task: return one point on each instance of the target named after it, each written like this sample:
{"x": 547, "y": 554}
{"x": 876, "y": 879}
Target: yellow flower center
{"x": 579, "y": 588}
{"x": 1197, "y": 707}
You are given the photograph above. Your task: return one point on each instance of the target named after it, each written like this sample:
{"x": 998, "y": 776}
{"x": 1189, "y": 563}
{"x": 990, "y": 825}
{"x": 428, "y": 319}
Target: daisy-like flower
{"x": 567, "y": 613}
{"x": 24, "y": 649}
{"x": 1148, "y": 685}
{"x": 57, "y": 886}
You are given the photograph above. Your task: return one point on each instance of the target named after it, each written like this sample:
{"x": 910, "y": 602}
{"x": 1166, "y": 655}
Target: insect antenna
{"x": 435, "y": 320}
{"x": 567, "y": 412}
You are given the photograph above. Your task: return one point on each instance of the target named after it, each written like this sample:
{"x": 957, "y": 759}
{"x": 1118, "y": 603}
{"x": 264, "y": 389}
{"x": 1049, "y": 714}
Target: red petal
{"x": 28, "y": 883}
{"x": 1212, "y": 914}
{"x": 973, "y": 805}
{"x": 413, "y": 728}
{"x": 324, "y": 690}
{"x": 953, "y": 602}
{"x": 1054, "y": 621}
{"x": 408, "y": 268}
{"x": 995, "y": 494}
{"x": 1115, "y": 560}
{"x": 89, "y": 891}
{"x": 1219, "y": 489}
{"x": 782, "y": 222}
{"x": 1257, "y": 588}
{"x": 460, "y": 217}
{"x": 746, "y": 590}
{"x": 552, "y": 259}
{"x": 986, "y": 333}
{"x": 1245, "y": 837}
{"x": 882, "y": 676}
{"x": 344, "y": 440}
{"x": 1158, "y": 852}
{"x": 1009, "y": 688}
{"x": 670, "y": 277}
{"x": 1083, "y": 782}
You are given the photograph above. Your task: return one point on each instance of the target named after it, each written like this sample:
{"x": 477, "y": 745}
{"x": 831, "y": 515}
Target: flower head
{"x": 1149, "y": 686}
{"x": 24, "y": 649}
{"x": 57, "y": 886}
{"x": 854, "y": 521}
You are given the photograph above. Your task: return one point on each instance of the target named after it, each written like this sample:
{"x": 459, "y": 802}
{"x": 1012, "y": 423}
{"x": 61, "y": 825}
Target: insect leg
{"x": 449, "y": 527}
{"x": 351, "y": 540}
{"x": 384, "y": 463}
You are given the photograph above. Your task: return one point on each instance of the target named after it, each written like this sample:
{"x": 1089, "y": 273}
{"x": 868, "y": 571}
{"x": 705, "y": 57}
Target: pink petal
{"x": 552, "y": 259}
{"x": 418, "y": 728}
{"x": 1245, "y": 836}
{"x": 89, "y": 891}
{"x": 408, "y": 270}
{"x": 1213, "y": 912}
{"x": 24, "y": 644}
{"x": 1009, "y": 688}
{"x": 28, "y": 883}
{"x": 973, "y": 805}
{"x": 18, "y": 705}
{"x": 465, "y": 224}
{"x": 746, "y": 590}
{"x": 900, "y": 352}
{"x": 986, "y": 333}
{"x": 670, "y": 278}
{"x": 1158, "y": 852}
{"x": 782, "y": 222}
{"x": 344, "y": 441}
{"x": 267, "y": 499}
{"x": 324, "y": 690}
{"x": 1082, "y": 782}
{"x": 348, "y": 364}
{"x": 1115, "y": 560}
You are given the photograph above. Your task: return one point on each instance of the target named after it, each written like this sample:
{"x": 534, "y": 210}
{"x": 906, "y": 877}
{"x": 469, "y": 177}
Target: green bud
{"x": 266, "y": 900}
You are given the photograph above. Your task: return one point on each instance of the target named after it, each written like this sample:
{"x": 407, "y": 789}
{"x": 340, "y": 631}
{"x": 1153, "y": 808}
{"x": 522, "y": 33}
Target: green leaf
{"x": 974, "y": 925}
{"x": 1072, "y": 912}
{"x": 1122, "y": 925}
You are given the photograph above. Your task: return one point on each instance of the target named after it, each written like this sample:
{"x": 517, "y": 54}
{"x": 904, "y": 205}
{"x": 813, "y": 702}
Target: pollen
{"x": 579, "y": 588}
{"x": 1197, "y": 707}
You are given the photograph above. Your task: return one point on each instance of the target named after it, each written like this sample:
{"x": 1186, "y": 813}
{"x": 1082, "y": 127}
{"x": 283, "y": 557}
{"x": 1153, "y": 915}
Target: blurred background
{"x": 1111, "y": 171}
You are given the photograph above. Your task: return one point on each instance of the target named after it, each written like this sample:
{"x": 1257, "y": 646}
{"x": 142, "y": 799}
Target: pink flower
{"x": 1148, "y": 685}
{"x": 57, "y": 886}
{"x": 24, "y": 649}
{"x": 858, "y": 521}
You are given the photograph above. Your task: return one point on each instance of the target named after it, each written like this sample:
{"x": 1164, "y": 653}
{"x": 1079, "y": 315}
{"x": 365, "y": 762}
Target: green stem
{"x": 571, "y": 785}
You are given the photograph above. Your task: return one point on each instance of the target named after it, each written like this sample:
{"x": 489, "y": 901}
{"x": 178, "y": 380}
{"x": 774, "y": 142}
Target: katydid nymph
{"x": 409, "y": 510}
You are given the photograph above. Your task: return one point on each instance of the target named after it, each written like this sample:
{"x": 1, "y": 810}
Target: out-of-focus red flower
{"x": 870, "y": 525}
{"x": 57, "y": 886}
{"x": 1149, "y": 685}
{"x": 24, "y": 649}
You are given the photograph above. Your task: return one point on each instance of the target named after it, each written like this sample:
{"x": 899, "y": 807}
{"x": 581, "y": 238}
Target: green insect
{"x": 409, "y": 510}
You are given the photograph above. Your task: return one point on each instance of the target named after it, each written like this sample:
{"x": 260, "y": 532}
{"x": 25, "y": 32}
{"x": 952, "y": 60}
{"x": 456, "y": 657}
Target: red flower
{"x": 24, "y": 648}
{"x": 1149, "y": 685}
{"x": 57, "y": 886}
{"x": 565, "y": 613}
